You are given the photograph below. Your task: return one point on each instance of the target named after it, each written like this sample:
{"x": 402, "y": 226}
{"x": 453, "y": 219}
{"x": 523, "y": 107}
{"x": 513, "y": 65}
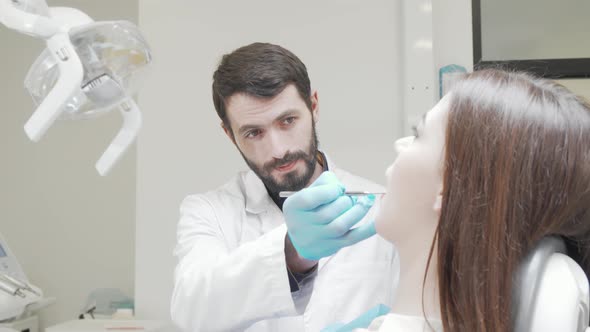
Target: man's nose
{"x": 278, "y": 145}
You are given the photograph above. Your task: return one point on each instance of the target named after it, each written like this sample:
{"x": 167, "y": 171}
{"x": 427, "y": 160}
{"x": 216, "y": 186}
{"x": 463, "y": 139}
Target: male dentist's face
{"x": 276, "y": 136}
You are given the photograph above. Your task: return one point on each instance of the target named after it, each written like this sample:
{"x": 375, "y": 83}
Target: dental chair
{"x": 551, "y": 291}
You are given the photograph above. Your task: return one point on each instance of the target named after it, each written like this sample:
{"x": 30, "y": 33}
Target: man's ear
{"x": 315, "y": 106}
{"x": 228, "y": 132}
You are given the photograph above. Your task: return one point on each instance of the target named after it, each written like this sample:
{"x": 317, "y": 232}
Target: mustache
{"x": 289, "y": 157}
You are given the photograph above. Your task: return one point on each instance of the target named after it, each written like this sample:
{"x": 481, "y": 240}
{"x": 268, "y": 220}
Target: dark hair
{"x": 258, "y": 69}
{"x": 516, "y": 169}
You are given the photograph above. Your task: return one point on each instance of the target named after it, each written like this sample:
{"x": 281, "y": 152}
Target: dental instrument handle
{"x": 349, "y": 193}
{"x": 10, "y": 288}
{"x": 15, "y": 281}
{"x": 21, "y": 284}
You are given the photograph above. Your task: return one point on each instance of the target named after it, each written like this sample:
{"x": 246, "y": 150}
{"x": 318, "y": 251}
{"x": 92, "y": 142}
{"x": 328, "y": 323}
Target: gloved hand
{"x": 319, "y": 218}
{"x": 361, "y": 322}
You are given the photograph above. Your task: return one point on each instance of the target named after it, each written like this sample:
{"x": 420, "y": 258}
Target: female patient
{"x": 495, "y": 166}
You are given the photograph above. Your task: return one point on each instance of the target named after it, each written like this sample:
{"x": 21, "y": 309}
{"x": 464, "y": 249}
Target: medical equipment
{"x": 348, "y": 193}
{"x": 87, "y": 69}
{"x": 551, "y": 292}
{"x": 28, "y": 324}
{"x": 97, "y": 325}
{"x": 105, "y": 302}
{"x": 18, "y": 297}
{"x": 448, "y": 76}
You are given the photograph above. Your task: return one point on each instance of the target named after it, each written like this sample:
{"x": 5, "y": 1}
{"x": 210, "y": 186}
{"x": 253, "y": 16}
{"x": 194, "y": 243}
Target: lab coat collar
{"x": 257, "y": 199}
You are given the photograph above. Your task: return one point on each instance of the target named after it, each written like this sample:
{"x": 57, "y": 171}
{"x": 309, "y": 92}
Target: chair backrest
{"x": 551, "y": 291}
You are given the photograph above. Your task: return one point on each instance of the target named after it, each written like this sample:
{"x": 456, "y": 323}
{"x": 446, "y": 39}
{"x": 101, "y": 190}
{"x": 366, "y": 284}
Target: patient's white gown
{"x": 402, "y": 323}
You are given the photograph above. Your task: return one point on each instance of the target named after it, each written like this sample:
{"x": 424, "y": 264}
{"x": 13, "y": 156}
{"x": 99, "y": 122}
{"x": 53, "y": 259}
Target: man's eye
{"x": 289, "y": 120}
{"x": 253, "y": 133}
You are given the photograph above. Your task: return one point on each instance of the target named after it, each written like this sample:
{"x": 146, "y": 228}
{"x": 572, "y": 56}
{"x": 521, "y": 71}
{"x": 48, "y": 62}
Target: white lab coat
{"x": 232, "y": 275}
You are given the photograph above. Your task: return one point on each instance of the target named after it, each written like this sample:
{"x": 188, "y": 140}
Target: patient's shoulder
{"x": 396, "y": 322}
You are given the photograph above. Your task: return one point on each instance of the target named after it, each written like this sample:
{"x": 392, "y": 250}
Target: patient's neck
{"x": 414, "y": 253}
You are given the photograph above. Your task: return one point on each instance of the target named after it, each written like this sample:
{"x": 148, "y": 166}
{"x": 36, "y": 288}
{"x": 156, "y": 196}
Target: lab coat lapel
{"x": 258, "y": 202}
{"x": 257, "y": 199}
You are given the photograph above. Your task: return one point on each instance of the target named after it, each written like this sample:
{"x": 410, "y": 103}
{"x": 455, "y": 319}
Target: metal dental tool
{"x": 349, "y": 193}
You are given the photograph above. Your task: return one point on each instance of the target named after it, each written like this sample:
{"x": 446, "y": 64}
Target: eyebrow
{"x": 284, "y": 114}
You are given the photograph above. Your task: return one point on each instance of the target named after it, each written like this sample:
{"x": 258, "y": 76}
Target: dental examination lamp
{"x": 88, "y": 68}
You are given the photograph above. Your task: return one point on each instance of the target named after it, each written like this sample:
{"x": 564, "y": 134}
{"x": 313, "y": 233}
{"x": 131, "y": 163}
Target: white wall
{"x": 72, "y": 230}
{"x": 351, "y": 49}
{"x": 452, "y": 34}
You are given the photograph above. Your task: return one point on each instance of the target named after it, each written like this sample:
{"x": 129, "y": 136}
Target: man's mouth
{"x": 287, "y": 167}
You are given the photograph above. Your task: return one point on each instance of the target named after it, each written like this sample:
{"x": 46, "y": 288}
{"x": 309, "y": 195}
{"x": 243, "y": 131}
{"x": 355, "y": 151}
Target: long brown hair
{"x": 516, "y": 168}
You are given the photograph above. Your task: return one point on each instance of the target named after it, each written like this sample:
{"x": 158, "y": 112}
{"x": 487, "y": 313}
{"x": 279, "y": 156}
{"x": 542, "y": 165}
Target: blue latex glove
{"x": 320, "y": 218}
{"x": 362, "y": 322}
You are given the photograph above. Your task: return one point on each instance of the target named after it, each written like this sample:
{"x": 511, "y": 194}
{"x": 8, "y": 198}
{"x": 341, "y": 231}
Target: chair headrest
{"x": 551, "y": 291}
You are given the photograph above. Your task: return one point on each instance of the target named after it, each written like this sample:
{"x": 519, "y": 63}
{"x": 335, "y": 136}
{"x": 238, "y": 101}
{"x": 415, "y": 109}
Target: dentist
{"x": 240, "y": 267}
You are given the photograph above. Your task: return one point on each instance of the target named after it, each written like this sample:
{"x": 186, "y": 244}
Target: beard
{"x": 291, "y": 181}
